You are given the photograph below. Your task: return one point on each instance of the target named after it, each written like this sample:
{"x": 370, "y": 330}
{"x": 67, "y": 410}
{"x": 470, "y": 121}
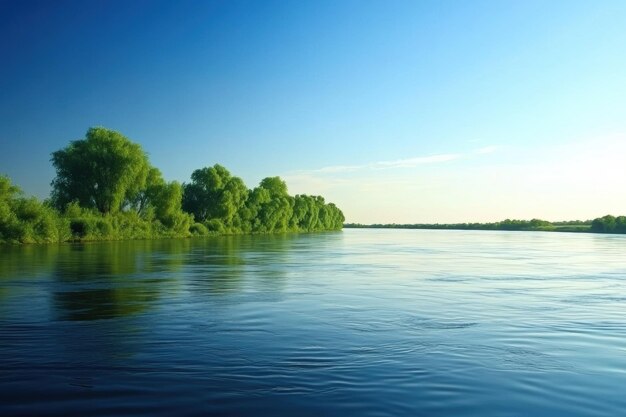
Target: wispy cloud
{"x": 340, "y": 168}
{"x": 413, "y": 162}
{"x": 400, "y": 163}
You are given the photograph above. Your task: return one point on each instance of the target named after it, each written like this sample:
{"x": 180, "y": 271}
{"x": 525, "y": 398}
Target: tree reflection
{"x": 114, "y": 279}
{"x": 227, "y": 265}
{"x": 215, "y": 265}
{"x": 24, "y": 264}
{"x": 105, "y": 280}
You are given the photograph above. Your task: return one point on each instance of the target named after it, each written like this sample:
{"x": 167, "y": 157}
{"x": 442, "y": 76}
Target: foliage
{"x": 215, "y": 194}
{"x": 147, "y": 195}
{"x": 224, "y": 205}
{"x": 198, "y": 229}
{"x": 26, "y": 220}
{"x": 508, "y": 224}
{"x": 167, "y": 201}
{"x": 609, "y": 224}
{"x": 106, "y": 189}
{"x": 271, "y": 206}
{"x": 606, "y": 224}
{"x": 105, "y": 171}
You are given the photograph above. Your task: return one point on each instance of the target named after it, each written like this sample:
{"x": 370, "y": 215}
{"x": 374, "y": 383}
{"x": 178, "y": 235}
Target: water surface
{"x": 360, "y": 322}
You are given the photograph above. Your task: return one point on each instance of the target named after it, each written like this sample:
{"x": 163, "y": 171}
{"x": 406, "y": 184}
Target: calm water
{"x": 361, "y": 322}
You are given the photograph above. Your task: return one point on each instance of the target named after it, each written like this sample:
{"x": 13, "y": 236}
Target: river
{"x": 356, "y": 323}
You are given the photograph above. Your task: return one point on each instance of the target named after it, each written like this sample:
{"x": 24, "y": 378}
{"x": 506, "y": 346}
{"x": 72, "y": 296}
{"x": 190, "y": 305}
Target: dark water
{"x": 362, "y": 322}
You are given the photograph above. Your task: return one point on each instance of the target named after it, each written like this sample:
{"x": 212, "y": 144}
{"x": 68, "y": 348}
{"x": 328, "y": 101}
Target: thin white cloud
{"x": 529, "y": 183}
{"x": 399, "y": 163}
{"x": 339, "y": 168}
{"x": 413, "y": 162}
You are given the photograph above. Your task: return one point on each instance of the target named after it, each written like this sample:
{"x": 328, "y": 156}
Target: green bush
{"x": 198, "y": 229}
{"x": 214, "y": 225}
{"x": 133, "y": 201}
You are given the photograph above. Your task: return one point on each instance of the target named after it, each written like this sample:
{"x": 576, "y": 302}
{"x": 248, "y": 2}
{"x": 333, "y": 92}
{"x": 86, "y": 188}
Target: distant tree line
{"x": 508, "y": 224}
{"x": 106, "y": 188}
{"x": 609, "y": 224}
{"x": 606, "y": 224}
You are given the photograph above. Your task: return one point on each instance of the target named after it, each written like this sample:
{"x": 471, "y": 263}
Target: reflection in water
{"x": 103, "y": 280}
{"x": 220, "y": 265}
{"x": 23, "y": 272}
{"x": 216, "y": 265}
{"x": 103, "y": 303}
{"x": 27, "y": 261}
{"x": 363, "y": 322}
{"x": 114, "y": 279}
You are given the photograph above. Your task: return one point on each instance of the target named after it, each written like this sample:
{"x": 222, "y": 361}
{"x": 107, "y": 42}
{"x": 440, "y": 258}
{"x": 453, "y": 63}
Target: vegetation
{"x": 106, "y": 189}
{"x": 606, "y": 224}
{"x": 27, "y": 220}
{"x": 609, "y": 224}
{"x": 105, "y": 171}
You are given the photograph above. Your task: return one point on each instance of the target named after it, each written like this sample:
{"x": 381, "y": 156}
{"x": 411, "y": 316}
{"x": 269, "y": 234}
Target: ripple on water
{"x": 364, "y": 322}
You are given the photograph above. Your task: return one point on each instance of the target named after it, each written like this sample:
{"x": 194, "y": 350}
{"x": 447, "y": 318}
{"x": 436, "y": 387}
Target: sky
{"x": 396, "y": 111}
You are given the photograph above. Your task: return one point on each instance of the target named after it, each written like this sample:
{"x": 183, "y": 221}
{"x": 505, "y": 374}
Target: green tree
{"x": 606, "y": 224}
{"x": 27, "y": 220}
{"x": 307, "y": 209}
{"x": 214, "y": 194}
{"x": 105, "y": 171}
{"x": 311, "y": 213}
{"x": 145, "y": 198}
{"x": 336, "y": 217}
{"x": 270, "y": 206}
{"x": 300, "y": 212}
{"x": 257, "y": 198}
{"x": 8, "y": 219}
{"x": 167, "y": 199}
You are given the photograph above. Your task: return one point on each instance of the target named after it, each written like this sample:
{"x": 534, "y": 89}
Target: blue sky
{"x": 396, "y": 111}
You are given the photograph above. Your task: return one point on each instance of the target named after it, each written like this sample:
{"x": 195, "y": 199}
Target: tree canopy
{"x": 27, "y": 220}
{"x": 609, "y": 224}
{"x": 106, "y": 188}
{"x": 104, "y": 171}
{"x": 214, "y": 193}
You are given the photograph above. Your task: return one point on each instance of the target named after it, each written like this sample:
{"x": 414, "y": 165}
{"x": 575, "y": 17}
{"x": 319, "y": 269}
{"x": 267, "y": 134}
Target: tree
{"x": 606, "y": 224}
{"x": 8, "y": 193}
{"x": 306, "y": 212}
{"x": 26, "y": 220}
{"x": 145, "y": 198}
{"x": 105, "y": 171}
{"x": 8, "y": 220}
{"x": 166, "y": 201}
{"x": 232, "y": 202}
{"x": 270, "y": 206}
{"x": 336, "y": 217}
{"x": 214, "y": 194}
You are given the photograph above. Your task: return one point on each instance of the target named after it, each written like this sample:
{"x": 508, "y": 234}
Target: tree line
{"x": 105, "y": 188}
{"x": 606, "y": 224}
{"x": 508, "y": 224}
{"x": 609, "y": 224}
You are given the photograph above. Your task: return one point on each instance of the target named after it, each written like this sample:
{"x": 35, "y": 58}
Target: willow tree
{"x": 104, "y": 171}
{"x": 8, "y": 220}
{"x": 270, "y": 207}
{"x": 215, "y": 195}
{"x": 146, "y": 197}
{"x": 26, "y": 220}
{"x": 166, "y": 201}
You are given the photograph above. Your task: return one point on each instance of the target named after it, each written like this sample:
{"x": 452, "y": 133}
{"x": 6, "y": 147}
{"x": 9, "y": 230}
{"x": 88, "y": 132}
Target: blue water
{"x": 359, "y": 322}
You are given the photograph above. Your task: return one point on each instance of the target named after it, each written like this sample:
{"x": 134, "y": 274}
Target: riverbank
{"x": 606, "y": 224}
